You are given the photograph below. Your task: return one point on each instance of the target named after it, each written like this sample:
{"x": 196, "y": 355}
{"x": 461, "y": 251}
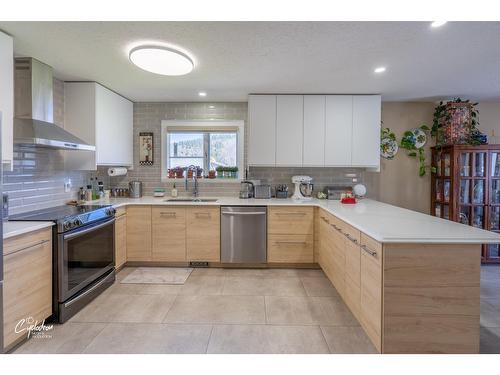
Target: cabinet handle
{"x": 290, "y": 213}
{"x": 353, "y": 240}
{"x": 168, "y": 214}
{"x": 325, "y": 220}
{"x": 203, "y": 214}
{"x": 336, "y": 228}
{"x": 371, "y": 252}
{"x": 28, "y": 248}
{"x": 291, "y": 242}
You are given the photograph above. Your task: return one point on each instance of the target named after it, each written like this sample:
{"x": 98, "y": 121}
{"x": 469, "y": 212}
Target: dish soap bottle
{"x": 173, "y": 192}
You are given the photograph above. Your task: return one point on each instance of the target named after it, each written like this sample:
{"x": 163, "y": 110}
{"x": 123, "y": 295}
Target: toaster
{"x": 262, "y": 191}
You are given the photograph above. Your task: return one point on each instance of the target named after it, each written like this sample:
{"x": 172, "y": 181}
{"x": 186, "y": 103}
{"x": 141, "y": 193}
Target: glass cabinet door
{"x": 492, "y": 251}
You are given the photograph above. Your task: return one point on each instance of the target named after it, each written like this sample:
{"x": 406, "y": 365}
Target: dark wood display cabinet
{"x": 466, "y": 188}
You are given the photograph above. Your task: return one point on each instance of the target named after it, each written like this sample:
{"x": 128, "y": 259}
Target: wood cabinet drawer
{"x": 169, "y": 233}
{"x": 120, "y": 211}
{"x": 27, "y": 286}
{"x": 350, "y": 232}
{"x": 139, "y": 233}
{"x": 203, "y": 234}
{"x": 290, "y": 220}
{"x": 290, "y": 248}
{"x": 120, "y": 241}
{"x": 24, "y": 241}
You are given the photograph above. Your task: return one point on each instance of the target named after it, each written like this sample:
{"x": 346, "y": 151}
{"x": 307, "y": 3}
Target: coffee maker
{"x": 303, "y": 187}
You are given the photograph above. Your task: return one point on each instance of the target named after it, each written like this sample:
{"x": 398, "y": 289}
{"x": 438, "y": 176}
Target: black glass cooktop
{"x": 55, "y": 213}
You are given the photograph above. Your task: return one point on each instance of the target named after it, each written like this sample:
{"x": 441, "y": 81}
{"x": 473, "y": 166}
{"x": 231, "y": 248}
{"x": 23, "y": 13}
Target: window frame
{"x": 203, "y": 126}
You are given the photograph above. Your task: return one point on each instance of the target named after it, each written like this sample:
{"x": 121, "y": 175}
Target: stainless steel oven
{"x": 85, "y": 254}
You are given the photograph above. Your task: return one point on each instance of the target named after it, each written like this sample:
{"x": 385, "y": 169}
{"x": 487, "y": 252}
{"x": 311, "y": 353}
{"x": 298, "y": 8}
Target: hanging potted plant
{"x": 414, "y": 141}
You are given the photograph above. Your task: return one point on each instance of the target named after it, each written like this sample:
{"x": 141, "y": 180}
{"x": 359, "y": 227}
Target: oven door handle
{"x": 67, "y": 237}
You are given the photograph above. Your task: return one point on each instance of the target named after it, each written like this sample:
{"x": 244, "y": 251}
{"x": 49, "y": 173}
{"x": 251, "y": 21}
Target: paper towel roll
{"x": 117, "y": 171}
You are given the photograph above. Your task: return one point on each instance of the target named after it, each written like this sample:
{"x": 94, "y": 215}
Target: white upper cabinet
{"x": 314, "y": 131}
{"x": 7, "y": 97}
{"x": 262, "y": 130}
{"x": 289, "y": 129}
{"x": 102, "y": 118}
{"x": 338, "y": 130}
{"x": 365, "y": 129}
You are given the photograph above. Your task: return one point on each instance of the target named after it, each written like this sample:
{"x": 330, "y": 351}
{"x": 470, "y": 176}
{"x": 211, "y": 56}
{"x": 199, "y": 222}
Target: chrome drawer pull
{"x": 291, "y": 242}
{"x": 371, "y": 252}
{"x": 203, "y": 214}
{"x": 353, "y": 240}
{"x": 325, "y": 220}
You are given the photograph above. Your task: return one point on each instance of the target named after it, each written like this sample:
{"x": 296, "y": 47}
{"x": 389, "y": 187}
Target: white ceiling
{"x": 234, "y": 59}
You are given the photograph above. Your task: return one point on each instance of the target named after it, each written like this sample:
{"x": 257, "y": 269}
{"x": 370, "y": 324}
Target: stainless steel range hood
{"x": 34, "y": 109}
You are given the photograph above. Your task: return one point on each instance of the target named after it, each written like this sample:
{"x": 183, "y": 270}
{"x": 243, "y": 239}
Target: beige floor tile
{"x": 217, "y": 310}
{"x": 262, "y": 272}
{"x": 203, "y": 285}
{"x": 348, "y": 340}
{"x": 138, "y": 308}
{"x": 310, "y": 273}
{"x": 119, "y": 288}
{"x": 308, "y": 311}
{"x": 124, "y": 272}
{"x": 208, "y": 272}
{"x": 263, "y": 286}
{"x": 266, "y": 339}
{"x": 490, "y": 340}
{"x": 490, "y": 312}
{"x": 490, "y": 288}
{"x": 490, "y": 272}
{"x": 319, "y": 287}
{"x": 69, "y": 338}
{"x": 151, "y": 339}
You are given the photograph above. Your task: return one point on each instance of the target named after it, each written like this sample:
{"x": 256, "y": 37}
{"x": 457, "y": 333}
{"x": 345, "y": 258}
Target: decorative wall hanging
{"x": 146, "y": 148}
{"x": 388, "y": 144}
{"x": 414, "y": 141}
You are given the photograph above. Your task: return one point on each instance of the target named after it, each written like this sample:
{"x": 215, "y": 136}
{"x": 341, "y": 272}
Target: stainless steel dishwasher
{"x": 243, "y": 234}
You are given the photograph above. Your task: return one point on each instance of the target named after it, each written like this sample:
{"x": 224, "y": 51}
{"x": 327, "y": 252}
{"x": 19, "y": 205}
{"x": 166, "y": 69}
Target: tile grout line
{"x": 324, "y": 338}
{"x": 209, "y": 338}
{"x": 168, "y": 310}
{"x": 93, "y": 339}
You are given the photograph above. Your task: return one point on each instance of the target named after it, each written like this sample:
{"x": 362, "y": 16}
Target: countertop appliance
{"x": 83, "y": 244}
{"x": 135, "y": 189}
{"x": 262, "y": 192}
{"x": 244, "y": 234}
{"x": 335, "y": 192}
{"x": 246, "y": 189}
{"x": 34, "y": 109}
{"x": 303, "y": 187}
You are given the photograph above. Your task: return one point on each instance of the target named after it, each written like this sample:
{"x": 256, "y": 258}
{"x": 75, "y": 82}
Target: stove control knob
{"x": 110, "y": 211}
{"x": 77, "y": 223}
{"x": 67, "y": 225}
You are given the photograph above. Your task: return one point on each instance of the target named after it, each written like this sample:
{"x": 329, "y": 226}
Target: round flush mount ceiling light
{"x": 161, "y": 60}
{"x": 438, "y": 23}
{"x": 380, "y": 69}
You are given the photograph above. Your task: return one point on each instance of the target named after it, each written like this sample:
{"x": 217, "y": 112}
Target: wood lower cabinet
{"x": 169, "y": 233}
{"x": 371, "y": 290}
{"x": 27, "y": 283}
{"x": 139, "y": 233}
{"x": 203, "y": 234}
{"x": 290, "y": 231}
{"x": 120, "y": 238}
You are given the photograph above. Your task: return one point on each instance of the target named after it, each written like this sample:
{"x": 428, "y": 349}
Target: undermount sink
{"x": 191, "y": 200}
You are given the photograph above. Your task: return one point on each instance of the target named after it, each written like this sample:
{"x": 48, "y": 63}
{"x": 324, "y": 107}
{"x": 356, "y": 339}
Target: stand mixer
{"x": 303, "y": 187}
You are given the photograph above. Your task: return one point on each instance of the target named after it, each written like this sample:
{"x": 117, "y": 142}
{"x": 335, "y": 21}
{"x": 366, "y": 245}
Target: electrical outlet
{"x": 67, "y": 185}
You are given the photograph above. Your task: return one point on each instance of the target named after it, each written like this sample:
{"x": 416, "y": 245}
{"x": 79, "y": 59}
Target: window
{"x": 207, "y": 145}
{"x": 207, "y": 150}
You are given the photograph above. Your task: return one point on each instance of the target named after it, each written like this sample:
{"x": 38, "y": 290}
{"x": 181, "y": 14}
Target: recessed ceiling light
{"x": 161, "y": 60}
{"x": 202, "y": 93}
{"x": 438, "y": 23}
{"x": 211, "y": 106}
{"x": 380, "y": 69}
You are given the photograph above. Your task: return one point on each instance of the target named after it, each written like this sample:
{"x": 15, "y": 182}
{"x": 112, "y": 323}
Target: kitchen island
{"x": 411, "y": 280}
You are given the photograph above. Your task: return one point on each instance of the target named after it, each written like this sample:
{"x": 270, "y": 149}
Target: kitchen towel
{"x": 117, "y": 171}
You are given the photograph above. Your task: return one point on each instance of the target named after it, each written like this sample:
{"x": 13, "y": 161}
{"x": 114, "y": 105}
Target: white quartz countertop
{"x": 383, "y": 222}
{"x": 15, "y": 228}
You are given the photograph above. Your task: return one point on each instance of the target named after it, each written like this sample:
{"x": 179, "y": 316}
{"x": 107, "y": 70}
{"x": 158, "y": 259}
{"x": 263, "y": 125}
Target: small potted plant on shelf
{"x": 227, "y": 172}
{"x": 211, "y": 174}
{"x": 179, "y": 172}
